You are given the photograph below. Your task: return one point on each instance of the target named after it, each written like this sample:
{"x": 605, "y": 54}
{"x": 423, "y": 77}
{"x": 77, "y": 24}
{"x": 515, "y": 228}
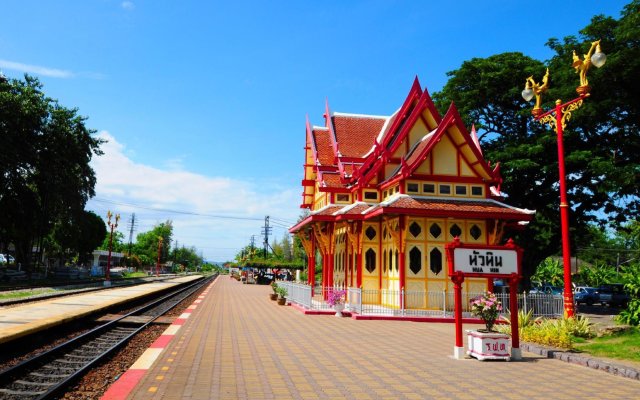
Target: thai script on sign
{"x": 489, "y": 260}
{"x": 485, "y": 261}
{"x": 498, "y": 346}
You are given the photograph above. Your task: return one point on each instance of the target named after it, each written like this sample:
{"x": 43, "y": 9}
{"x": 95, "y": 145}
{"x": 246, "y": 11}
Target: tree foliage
{"x": 146, "y": 246}
{"x": 601, "y": 140}
{"x": 45, "y": 176}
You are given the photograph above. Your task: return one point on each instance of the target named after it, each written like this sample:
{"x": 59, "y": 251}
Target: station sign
{"x": 485, "y": 261}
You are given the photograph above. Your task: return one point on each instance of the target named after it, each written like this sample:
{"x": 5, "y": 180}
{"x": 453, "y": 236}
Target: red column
{"x": 457, "y": 280}
{"x": 359, "y": 269}
{"x": 564, "y": 216}
{"x": 325, "y": 274}
{"x": 402, "y": 261}
{"x": 513, "y": 306}
{"x": 331, "y": 266}
{"x": 311, "y": 266}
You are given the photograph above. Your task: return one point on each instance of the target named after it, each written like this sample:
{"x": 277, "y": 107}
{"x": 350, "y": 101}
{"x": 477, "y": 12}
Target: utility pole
{"x": 266, "y": 231}
{"x": 252, "y": 246}
{"x": 132, "y": 225}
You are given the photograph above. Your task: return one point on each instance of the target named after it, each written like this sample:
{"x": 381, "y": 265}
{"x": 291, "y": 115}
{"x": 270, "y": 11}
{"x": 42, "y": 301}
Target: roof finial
{"x": 474, "y": 136}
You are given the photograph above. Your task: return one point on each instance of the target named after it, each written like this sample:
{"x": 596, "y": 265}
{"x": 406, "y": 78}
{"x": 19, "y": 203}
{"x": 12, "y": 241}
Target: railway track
{"x": 48, "y": 374}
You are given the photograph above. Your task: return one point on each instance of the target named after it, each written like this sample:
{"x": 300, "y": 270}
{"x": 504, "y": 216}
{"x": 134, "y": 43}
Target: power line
{"x": 174, "y": 211}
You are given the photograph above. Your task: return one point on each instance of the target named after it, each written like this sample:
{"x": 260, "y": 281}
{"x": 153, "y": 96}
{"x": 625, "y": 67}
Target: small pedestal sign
{"x": 488, "y": 345}
{"x": 485, "y": 262}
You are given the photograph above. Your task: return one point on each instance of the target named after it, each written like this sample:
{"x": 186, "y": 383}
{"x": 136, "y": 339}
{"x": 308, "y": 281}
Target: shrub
{"x": 282, "y": 292}
{"x": 550, "y": 332}
{"x": 631, "y": 315}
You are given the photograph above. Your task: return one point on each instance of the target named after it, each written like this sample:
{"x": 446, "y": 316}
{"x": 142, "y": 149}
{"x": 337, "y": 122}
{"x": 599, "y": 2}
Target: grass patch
{"x": 139, "y": 274}
{"x": 622, "y": 345}
{"x": 24, "y": 293}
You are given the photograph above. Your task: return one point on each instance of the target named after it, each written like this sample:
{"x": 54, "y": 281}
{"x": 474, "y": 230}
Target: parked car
{"x": 586, "y": 295}
{"x": 3, "y": 259}
{"x": 548, "y": 289}
{"x": 613, "y": 294}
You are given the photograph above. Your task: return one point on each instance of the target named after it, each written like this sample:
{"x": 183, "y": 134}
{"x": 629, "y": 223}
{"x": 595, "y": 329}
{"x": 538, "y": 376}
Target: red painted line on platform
{"x": 124, "y": 385}
{"x": 121, "y": 388}
{"x": 161, "y": 342}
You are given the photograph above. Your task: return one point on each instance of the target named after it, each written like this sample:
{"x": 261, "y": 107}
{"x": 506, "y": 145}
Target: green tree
{"x": 601, "y": 140}
{"x": 79, "y": 236}
{"x": 45, "y": 174}
{"x": 146, "y": 246}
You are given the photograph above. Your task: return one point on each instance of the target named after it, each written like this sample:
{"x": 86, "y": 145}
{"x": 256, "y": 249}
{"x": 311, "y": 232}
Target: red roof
{"x": 452, "y": 207}
{"x": 323, "y": 146}
{"x": 356, "y": 134}
{"x": 332, "y": 180}
{"x": 328, "y": 211}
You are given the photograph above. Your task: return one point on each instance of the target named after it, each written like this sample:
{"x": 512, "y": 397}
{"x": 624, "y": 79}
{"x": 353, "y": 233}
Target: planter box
{"x": 488, "y": 345}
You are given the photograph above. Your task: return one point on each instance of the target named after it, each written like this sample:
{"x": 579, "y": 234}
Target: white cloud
{"x": 124, "y": 185}
{"x": 128, "y": 5}
{"x": 49, "y": 72}
{"x": 36, "y": 69}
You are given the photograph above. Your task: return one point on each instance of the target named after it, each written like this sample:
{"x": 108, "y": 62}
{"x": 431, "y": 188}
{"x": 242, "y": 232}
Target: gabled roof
{"x": 449, "y": 207}
{"x": 355, "y": 133}
{"x": 418, "y": 153}
{"x": 322, "y": 145}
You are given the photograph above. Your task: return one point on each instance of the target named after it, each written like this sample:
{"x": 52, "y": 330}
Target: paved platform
{"x": 237, "y": 344}
{"x": 19, "y": 321}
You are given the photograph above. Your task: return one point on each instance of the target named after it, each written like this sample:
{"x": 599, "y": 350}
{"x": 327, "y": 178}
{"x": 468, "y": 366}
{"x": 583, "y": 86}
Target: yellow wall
{"x": 445, "y": 157}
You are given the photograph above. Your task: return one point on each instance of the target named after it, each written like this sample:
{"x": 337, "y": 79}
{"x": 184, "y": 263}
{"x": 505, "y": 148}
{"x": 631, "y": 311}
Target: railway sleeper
{"x": 53, "y": 376}
{"x": 65, "y": 361}
{"x": 27, "y": 383}
{"x": 22, "y": 392}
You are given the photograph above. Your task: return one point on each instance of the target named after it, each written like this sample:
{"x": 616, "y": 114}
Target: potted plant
{"x": 274, "y": 287}
{"x": 336, "y": 299}
{"x": 282, "y": 295}
{"x": 487, "y": 344}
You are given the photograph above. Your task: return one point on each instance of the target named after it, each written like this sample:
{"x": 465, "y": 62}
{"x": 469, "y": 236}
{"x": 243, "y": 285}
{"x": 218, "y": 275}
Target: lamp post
{"x": 107, "y": 282}
{"x": 159, "y": 253}
{"x": 557, "y": 118}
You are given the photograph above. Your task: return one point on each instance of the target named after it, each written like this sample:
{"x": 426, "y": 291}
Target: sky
{"x": 203, "y": 103}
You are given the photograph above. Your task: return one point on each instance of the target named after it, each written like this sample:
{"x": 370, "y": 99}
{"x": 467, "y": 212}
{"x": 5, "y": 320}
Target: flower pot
{"x": 488, "y": 345}
{"x": 273, "y": 296}
{"x": 338, "y": 309}
{"x": 282, "y": 301}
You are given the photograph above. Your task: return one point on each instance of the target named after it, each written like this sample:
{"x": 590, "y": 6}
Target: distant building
{"x": 386, "y": 193}
{"x": 100, "y": 258}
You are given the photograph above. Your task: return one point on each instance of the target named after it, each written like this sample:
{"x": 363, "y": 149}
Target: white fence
{"x": 415, "y": 303}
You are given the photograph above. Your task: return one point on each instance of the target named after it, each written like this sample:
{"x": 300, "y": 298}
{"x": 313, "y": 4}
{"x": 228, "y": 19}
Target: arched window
{"x": 397, "y": 258}
{"x": 370, "y": 260}
{"x": 435, "y": 261}
{"x": 384, "y": 261}
{"x": 415, "y": 260}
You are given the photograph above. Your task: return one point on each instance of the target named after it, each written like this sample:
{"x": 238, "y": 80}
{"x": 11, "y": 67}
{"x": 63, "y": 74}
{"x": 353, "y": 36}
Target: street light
{"x": 159, "y": 253}
{"x": 107, "y": 282}
{"x": 557, "y": 119}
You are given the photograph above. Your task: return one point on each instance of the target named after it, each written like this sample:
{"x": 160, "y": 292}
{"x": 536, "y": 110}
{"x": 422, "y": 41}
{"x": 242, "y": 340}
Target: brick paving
{"x": 240, "y": 345}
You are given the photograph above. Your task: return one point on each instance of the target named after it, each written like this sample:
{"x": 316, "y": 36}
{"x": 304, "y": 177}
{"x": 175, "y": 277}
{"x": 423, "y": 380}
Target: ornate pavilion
{"x": 386, "y": 194}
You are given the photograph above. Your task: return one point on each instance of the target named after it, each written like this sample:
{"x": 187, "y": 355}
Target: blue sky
{"x": 204, "y": 102}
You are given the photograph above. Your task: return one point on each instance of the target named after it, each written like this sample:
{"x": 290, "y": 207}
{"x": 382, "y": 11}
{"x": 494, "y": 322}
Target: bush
{"x": 282, "y": 292}
{"x": 550, "y": 332}
{"x": 631, "y": 315}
